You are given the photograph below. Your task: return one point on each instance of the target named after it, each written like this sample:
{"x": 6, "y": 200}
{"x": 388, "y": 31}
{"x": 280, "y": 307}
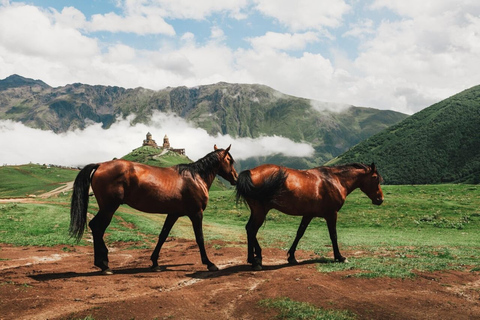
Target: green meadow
{"x": 32, "y": 179}
{"x": 417, "y": 228}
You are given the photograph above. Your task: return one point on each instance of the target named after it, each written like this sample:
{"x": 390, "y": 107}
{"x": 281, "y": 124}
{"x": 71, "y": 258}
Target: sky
{"x": 385, "y": 54}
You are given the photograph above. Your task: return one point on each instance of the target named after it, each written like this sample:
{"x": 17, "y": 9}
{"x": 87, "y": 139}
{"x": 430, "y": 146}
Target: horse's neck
{"x": 209, "y": 177}
{"x": 351, "y": 180}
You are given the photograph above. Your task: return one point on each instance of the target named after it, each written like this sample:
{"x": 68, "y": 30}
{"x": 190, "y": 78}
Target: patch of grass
{"x": 32, "y": 179}
{"x": 25, "y": 224}
{"x": 289, "y": 309}
{"x": 398, "y": 262}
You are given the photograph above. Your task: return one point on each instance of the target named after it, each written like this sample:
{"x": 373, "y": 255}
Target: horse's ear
{"x": 215, "y": 147}
{"x": 226, "y": 151}
{"x": 373, "y": 167}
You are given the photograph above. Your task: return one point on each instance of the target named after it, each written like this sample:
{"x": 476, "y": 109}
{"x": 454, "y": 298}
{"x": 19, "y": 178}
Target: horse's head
{"x": 227, "y": 171}
{"x": 371, "y": 185}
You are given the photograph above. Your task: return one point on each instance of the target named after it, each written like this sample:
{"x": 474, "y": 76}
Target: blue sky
{"x": 386, "y": 54}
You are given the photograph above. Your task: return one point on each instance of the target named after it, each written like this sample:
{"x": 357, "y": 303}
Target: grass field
{"x": 32, "y": 179}
{"x": 418, "y": 228}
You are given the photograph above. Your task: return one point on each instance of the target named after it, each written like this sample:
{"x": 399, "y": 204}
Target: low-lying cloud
{"x": 20, "y": 144}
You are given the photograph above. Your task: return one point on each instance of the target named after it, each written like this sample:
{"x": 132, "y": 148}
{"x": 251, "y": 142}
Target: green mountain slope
{"x": 240, "y": 110}
{"x": 438, "y": 144}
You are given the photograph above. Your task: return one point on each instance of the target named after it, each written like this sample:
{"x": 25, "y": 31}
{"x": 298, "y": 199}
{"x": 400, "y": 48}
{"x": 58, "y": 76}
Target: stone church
{"x": 166, "y": 144}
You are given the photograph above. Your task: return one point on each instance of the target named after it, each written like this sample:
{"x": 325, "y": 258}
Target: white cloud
{"x": 305, "y": 14}
{"x": 360, "y": 29}
{"x": 285, "y": 73}
{"x": 139, "y": 24}
{"x": 94, "y": 144}
{"x": 414, "y": 8}
{"x": 194, "y": 9}
{"x": 70, "y": 17}
{"x": 283, "y": 41}
{"x": 120, "y": 53}
{"x": 217, "y": 34}
{"x": 415, "y": 62}
{"x": 28, "y": 31}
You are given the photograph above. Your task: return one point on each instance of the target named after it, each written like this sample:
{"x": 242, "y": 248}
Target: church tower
{"x": 149, "y": 141}
{"x": 166, "y": 143}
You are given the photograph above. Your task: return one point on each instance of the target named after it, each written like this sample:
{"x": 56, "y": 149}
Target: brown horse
{"x": 177, "y": 191}
{"x": 318, "y": 192}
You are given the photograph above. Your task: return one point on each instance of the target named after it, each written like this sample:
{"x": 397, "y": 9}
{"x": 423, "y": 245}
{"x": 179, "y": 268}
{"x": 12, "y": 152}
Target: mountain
{"x": 436, "y": 145}
{"x": 16, "y": 81}
{"x": 240, "y": 110}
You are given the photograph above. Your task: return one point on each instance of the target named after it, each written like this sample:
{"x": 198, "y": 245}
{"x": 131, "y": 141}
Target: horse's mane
{"x": 343, "y": 168}
{"x": 202, "y": 166}
{"x": 349, "y": 166}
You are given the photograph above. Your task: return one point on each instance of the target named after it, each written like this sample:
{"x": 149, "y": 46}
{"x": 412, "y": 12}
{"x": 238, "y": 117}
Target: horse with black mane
{"x": 181, "y": 190}
{"x": 317, "y": 192}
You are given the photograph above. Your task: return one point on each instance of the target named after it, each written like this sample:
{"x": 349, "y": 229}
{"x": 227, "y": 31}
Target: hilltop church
{"x": 166, "y": 144}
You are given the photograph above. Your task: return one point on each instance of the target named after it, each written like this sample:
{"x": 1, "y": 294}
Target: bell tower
{"x": 166, "y": 142}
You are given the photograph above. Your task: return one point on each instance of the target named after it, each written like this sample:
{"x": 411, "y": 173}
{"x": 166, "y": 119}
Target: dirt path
{"x": 61, "y": 283}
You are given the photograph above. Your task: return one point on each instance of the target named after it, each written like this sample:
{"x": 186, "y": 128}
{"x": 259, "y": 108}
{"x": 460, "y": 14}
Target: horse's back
{"x": 304, "y": 191}
{"x": 143, "y": 187}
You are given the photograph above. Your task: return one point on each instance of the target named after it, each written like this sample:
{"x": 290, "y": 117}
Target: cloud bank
{"x": 21, "y": 144}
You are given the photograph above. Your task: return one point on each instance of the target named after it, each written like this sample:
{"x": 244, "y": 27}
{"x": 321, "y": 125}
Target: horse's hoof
{"x": 342, "y": 260}
{"x": 213, "y": 268}
{"x": 107, "y": 272}
{"x": 157, "y": 268}
{"x": 257, "y": 267}
{"x": 292, "y": 261}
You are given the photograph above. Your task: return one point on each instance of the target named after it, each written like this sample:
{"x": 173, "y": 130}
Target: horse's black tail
{"x": 78, "y": 209}
{"x": 271, "y": 187}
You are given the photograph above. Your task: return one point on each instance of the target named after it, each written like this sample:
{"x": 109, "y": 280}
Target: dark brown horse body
{"x": 177, "y": 191}
{"x": 318, "y": 192}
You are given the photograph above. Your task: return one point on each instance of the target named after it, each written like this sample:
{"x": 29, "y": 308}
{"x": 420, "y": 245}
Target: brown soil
{"x": 61, "y": 283}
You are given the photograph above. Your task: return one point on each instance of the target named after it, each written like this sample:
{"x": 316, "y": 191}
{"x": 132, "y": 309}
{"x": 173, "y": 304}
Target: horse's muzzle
{"x": 377, "y": 201}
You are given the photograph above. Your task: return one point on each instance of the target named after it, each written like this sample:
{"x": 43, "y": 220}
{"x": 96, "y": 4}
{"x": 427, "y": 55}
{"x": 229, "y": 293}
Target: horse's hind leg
{"x": 98, "y": 225}
{"x": 332, "y": 230}
{"x": 254, "y": 254}
{"x": 301, "y": 230}
{"x": 167, "y": 227}
{"x": 197, "y": 228}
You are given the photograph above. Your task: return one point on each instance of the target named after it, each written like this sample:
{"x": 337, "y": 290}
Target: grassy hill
{"x": 32, "y": 179}
{"x": 155, "y": 157}
{"x": 239, "y": 110}
{"x": 436, "y": 145}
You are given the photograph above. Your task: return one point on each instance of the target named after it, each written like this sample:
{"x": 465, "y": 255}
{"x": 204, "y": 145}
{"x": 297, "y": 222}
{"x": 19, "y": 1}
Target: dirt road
{"x": 61, "y": 283}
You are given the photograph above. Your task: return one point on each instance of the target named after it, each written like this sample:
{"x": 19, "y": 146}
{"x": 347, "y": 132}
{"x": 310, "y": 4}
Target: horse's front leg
{"x": 167, "y": 227}
{"x": 301, "y": 230}
{"x": 332, "y": 230}
{"x": 197, "y": 228}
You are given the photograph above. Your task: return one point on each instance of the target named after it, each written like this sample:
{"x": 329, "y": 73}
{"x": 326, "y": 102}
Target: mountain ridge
{"x": 239, "y": 110}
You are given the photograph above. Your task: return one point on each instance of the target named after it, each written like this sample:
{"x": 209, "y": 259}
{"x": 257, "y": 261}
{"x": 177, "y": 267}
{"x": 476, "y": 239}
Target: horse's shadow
{"x": 175, "y": 267}
{"x": 70, "y": 275}
{"x": 248, "y": 268}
